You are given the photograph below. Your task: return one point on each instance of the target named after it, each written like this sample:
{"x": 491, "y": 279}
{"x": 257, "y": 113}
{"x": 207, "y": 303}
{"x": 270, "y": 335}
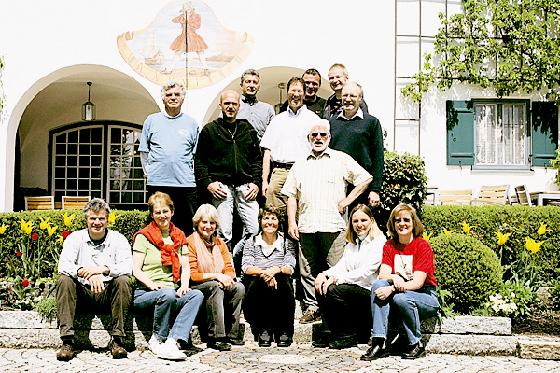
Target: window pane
{"x": 73, "y": 137}
{"x": 85, "y": 136}
{"x": 72, "y": 173}
{"x": 97, "y": 135}
{"x": 83, "y": 186}
{"x": 72, "y": 149}
{"x": 501, "y": 134}
{"x": 487, "y": 132}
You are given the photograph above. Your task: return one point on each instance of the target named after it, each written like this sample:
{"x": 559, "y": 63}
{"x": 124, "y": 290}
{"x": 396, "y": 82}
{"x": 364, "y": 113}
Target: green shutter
{"x": 460, "y": 133}
{"x": 544, "y": 132}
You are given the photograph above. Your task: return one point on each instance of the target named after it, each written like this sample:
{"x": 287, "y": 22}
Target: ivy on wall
{"x": 508, "y": 45}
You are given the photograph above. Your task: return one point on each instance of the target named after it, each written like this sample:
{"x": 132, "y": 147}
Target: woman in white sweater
{"x": 344, "y": 290}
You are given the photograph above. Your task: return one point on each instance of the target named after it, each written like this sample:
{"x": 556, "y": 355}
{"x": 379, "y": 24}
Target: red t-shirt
{"x": 416, "y": 256}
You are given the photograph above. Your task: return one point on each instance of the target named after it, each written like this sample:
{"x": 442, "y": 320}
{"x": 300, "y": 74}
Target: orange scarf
{"x": 169, "y": 253}
{"x": 208, "y": 255}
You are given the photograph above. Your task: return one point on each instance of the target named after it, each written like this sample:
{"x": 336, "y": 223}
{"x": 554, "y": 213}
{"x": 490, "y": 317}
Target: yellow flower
{"x": 26, "y": 226}
{"x": 466, "y": 227}
{"x": 44, "y": 223}
{"x": 446, "y": 232}
{"x": 51, "y": 230}
{"x": 426, "y": 236}
{"x": 502, "y": 237}
{"x": 60, "y": 239}
{"x": 3, "y": 228}
{"x": 112, "y": 218}
{"x": 542, "y": 229}
{"x": 532, "y": 245}
{"x": 67, "y": 219}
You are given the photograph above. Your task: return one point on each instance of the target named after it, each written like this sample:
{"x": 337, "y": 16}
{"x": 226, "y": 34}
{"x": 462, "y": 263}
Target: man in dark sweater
{"x": 359, "y": 135}
{"x": 228, "y": 164}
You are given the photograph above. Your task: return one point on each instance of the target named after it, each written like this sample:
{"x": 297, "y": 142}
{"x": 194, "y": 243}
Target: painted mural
{"x": 185, "y": 42}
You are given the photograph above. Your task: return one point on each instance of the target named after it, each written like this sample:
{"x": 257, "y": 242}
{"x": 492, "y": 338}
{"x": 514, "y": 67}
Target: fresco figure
{"x": 188, "y": 40}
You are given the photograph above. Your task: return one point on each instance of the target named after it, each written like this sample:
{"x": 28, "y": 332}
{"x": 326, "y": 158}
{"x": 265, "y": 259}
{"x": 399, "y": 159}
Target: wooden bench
{"x": 74, "y": 202}
{"x": 492, "y": 195}
{"x": 455, "y": 197}
{"x": 39, "y": 203}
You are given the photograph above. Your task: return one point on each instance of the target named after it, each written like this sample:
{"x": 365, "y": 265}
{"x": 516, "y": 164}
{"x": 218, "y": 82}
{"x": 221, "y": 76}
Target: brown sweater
{"x": 196, "y": 275}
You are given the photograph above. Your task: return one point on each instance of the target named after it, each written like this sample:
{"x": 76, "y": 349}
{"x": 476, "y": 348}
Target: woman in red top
{"x": 406, "y": 284}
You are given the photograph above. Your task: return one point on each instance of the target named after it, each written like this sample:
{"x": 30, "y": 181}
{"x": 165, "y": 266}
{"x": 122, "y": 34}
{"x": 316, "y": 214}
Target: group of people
{"x": 305, "y": 184}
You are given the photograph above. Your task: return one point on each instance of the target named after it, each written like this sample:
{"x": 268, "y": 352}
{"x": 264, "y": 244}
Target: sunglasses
{"x": 317, "y": 134}
{"x": 406, "y": 220}
{"x": 176, "y": 94}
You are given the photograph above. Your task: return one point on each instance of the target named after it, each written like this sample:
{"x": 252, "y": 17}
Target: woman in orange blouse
{"x": 212, "y": 273}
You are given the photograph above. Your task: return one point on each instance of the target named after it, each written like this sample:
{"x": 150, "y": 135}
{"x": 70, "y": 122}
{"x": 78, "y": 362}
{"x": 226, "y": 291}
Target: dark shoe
{"x": 310, "y": 316}
{"x": 219, "y": 345}
{"x": 236, "y": 342}
{"x": 320, "y": 343}
{"x": 265, "y": 339}
{"x": 118, "y": 351}
{"x": 284, "y": 340}
{"x": 66, "y": 352}
{"x": 345, "y": 342}
{"x": 188, "y": 347}
{"x": 374, "y": 352}
{"x": 418, "y": 350}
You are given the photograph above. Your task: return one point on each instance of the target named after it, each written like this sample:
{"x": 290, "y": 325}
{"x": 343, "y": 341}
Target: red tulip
{"x": 35, "y": 236}
{"x": 65, "y": 234}
{"x": 25, "y": 283}
{"x": 18, "y": 253}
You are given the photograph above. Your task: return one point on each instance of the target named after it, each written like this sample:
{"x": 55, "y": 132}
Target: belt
{"x": 287, "y": 166}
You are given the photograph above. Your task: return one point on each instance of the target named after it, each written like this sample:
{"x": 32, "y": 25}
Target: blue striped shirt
{"x": 282, "y": 255}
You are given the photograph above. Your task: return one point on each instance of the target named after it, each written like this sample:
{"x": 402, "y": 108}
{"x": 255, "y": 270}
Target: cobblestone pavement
{"x": 251, "y": 358}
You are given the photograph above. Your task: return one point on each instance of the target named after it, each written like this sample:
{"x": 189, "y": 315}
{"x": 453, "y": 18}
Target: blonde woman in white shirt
{"x": 344, "y": 290}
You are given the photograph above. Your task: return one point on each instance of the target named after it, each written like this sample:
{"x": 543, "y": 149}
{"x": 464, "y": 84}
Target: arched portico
{"x": 55, "y": 101}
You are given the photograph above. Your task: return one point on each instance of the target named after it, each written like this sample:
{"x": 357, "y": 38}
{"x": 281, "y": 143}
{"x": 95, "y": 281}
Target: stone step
{"x": 539, "y": 347}
{"x": 467, "y": 335}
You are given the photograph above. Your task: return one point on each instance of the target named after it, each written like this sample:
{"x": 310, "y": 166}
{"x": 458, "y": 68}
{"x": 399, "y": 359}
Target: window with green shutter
{"x": 544, "y": 132}
{"x": 460, "y": 133}
{"x": 496, "y": 134}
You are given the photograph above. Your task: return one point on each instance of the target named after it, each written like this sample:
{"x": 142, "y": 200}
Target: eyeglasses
{"x": 176, "y": 94}
{"x": 406, "y": 220}
{"x": 317, "y": 134}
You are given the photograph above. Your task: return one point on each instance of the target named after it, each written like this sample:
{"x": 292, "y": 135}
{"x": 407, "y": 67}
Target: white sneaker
{"x": 154, "y": 344}
{"x": 169, "y": 350}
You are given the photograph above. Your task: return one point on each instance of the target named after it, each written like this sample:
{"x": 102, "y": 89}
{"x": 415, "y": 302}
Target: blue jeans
{"x": 248, "y": 212}
{"x": 410, "y": 305}
{"x": 168, "y": 306}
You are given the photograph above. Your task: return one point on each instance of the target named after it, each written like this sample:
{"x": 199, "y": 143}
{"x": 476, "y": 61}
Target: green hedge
{"x": 520, "y": 221}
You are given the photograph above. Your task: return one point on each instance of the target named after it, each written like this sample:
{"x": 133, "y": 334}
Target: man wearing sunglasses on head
{"x": 167, "y": 148}
{"x": 316, "y": 190}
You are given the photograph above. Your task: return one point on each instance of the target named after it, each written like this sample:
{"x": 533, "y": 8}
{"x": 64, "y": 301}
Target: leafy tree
{"x": 508, "y": 45}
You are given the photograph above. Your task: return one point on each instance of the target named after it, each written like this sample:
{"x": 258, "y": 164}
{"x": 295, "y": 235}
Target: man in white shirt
{"x": 284, "y": 142}
{"x": 95, "y": 267}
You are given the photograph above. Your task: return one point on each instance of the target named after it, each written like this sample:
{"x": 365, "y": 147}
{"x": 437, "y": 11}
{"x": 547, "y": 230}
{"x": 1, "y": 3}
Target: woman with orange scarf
{"x": 212, "y": 273}
{"x": 160, "y": 264}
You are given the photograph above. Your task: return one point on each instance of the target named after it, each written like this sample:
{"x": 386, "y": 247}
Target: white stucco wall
{"x": 41, "y": 40}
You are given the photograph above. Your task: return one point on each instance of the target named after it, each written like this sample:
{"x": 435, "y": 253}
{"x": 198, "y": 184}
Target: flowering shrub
{"x": 514, "y": 300}
{"x": 526, "y": 238}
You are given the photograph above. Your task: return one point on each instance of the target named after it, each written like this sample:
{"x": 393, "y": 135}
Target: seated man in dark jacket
{"x": 228, "y": 164}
